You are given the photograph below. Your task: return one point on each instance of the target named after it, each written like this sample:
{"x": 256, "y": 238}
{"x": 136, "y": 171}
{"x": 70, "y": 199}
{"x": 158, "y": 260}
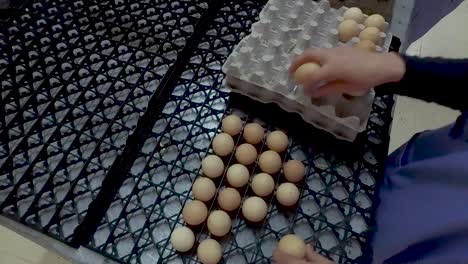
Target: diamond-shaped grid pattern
{"x": 76, "y": 78}
{"x": 335, "y": 207}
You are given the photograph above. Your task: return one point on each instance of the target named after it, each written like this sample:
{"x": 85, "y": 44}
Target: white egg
{"x": 194, "y": 212}
{"x": 229, "y": 199}
{"x": 209, "y": 251}
{"x": 347, "y": 30}
{"x": 262, "y": 184}
{"x": 355, "y": 14}
{"x": 294, "y": 171}
{"x": 246, "y": 154}
{"x": 305, "y": 70}
{"x": 213, "y": 166}
{"x": 377, "y": 21}
{"x": 237, "y": 175}
{"x": 287, "y": 194}
{"x": 293, "y": 246}
{"x": 270, "y": 162}
{"x": 254, "y": 209}
{"x": 366, "y": 45}
{"x": 223, "y": 144}
{"x": 231, "y": 125}
{"x": 277, "y": 141}
{"x": 219, "y": 223}
{"x": 253, "y": 133}
{"x": 182, "y": 239}
{"x": 371, "y": 34}
{"x": 203, "y": 189}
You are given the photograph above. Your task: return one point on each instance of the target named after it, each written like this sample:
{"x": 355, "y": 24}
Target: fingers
{"x": 311, "y": 257}
{"x": 322, "y": 75}
{"x": 315, "y": 258}
{"x": 282, "y": 258}
{"x": 332, "y": 88}
{"x": 312, "y": 55}
{"x": 310, "y": 253}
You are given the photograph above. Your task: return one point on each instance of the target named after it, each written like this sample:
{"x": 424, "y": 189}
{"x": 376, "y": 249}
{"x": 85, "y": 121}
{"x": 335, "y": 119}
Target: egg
{"x": 203, "y": 189}
{"x": 182, "y": 239}
{"x": 209, "y": 251}
{"x": 366, "y": 45}
{"x": 371, "y": 34}
{"x": 347, "y": 30}
{"x": 253, "y": 133}
{"x": 212, "y": 166}
{"x": 246, "y": 154}
{"x": 254, "y": 209}
{"x": 375, "y": 20}
{"x": 262, "y": 184}
{"x": 277, "y": 141}
{"x": 229, "y": 199}
{"x": 223, "y": 144}
{"x": 287, "y": 194}
{"x": 306, "y": 69}
{"x": 231, "y": 125}
{"x": 294, "y": 171}
{"x": 237, "y": 175}
{"x": 194, "y": 212}
{"x": 270, "y": 162}
{"x": 293, "y": 246}
{"x": 219, "y": 223}
{"x": 355, "y": 14}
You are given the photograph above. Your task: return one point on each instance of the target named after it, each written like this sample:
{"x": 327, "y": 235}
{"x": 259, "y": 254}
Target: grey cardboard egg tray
{"x": 258, "y": 66}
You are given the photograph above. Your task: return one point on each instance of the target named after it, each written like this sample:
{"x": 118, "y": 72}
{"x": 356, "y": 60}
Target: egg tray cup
{"x": 258, "y": 66}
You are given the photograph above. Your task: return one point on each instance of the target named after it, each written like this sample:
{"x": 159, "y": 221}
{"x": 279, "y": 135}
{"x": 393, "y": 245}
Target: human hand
{"x": 311, "y": 257}
{"x": 348, "y": 70}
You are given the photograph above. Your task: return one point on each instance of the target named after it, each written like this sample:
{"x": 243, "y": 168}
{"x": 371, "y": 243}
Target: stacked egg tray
{"x": 120, "y": 192}
{"x": 384, "y": 7}
{"x": 258, "y": 66}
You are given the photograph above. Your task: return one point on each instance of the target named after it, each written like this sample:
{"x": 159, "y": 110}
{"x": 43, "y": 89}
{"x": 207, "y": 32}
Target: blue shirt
{"x": 422, "y": 203}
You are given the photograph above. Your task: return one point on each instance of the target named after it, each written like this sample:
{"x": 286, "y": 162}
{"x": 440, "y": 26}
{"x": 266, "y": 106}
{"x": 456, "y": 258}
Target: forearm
{"x": 443, "y": 81}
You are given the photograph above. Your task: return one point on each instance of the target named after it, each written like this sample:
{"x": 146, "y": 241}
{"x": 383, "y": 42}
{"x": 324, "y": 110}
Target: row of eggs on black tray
{"x": 254, "y": 209}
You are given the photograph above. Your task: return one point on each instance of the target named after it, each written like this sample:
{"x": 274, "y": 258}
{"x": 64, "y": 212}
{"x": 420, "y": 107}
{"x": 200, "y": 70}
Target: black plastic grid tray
{"x": 335, "y": 208}
{"x": 75, "y": 78}
{"x": 65, "y": 127}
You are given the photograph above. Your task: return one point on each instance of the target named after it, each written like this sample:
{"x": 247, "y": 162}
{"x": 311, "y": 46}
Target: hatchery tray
{"x": 106, "y": 114}
{"x": 76, "y": 76}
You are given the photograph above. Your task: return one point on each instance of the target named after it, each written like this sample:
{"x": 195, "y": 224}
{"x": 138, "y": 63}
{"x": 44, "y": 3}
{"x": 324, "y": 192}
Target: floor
{"x": 16, "y": 239}
{"x": 410, "y": 116}
{"x": 13, "y": 246}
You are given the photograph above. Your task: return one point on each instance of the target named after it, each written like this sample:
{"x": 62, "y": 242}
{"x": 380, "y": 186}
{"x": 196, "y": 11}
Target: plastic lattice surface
{"x": 78, "y": 76}
{"x": 335, "y": 207}
{"x": 136, "y": 228}
{"x": 75, "y": 78}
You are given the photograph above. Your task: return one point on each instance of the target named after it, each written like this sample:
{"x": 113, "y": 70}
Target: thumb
{"x": 314, "y": 257}
{"x": 281, "y": 257}
{"x": 311, "y": 55}
{"x": 321, "y": 76}
{"x": 331, "y": 88}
